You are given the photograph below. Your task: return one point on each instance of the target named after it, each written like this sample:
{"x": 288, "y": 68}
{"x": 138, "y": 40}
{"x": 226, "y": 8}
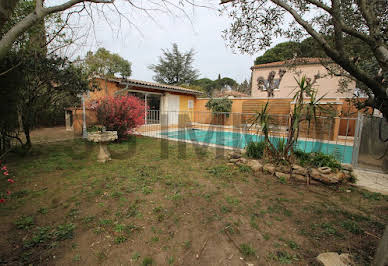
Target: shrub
{"x": 121, "y": 113}
{"x": 219, "y": 105}
{"x": 317, "y": 159}
{"x": 255, "y": 149}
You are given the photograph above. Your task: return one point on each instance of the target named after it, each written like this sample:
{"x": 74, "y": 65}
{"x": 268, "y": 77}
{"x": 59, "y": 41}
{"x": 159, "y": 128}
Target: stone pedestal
{"x": 103, "y": 138}
{"x": 103, "y": 154}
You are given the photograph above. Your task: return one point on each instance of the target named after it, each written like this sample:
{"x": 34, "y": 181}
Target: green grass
{"x": 141, "y": 202}
{"x": 147, "y": 261}
{"x": 247, "y": 250}
{"x": 24, "y": 222}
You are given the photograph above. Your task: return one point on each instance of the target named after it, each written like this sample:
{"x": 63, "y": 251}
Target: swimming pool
{"x": 343, "y": 153}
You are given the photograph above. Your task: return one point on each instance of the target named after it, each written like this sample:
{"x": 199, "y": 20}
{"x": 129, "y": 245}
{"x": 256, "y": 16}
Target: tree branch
{"x": 39, "y": 13}
{"x": 344, "y": 62}
{"x": 71, "y": 3}
{"x": 6, "y": 9}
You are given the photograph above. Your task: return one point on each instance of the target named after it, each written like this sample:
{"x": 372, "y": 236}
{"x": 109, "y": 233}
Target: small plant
{"x": 105, "y": 222}
{"x": 317, "y": 159}
{"x": 225, "y": 209}
{"x": 282, "y": 180}
{"x": 24, "y": 222}
{"x": 284, "y": 257}
{"x": 101, "y": 256}
{"x": 170, "y": 260}
{"x": 292, "y": 244}
{"x": 64, "y": 231}
{"x": 88, "y": 219}
{"x": 187, "y": 244}
{"x": 247, "y": 250}
{"x": 244, "y": 169}
{"x": 135, "y": 256}
{"x": 42, "y": 236}
{"x": 255, "y": 149}
{"x": 43, "y": 210}
{"x": 218, "y": 170}
{"x": 147, "y": 190}
{"x": 155, "y": 239}
{"x": 352, "y": 227}
{"x": 96, "y": 128}
{"x": 147, "y": 261}
{"x": 120, "y": 239}
{"x": 119, "y": 228}
{"x": 77, "y": 257}
{"x": 372, "y": 195}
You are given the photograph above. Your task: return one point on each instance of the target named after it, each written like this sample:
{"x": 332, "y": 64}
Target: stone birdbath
{"x": 103, "y": 138}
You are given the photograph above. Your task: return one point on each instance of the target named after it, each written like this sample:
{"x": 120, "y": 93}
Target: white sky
{"x": 141, "y": 44}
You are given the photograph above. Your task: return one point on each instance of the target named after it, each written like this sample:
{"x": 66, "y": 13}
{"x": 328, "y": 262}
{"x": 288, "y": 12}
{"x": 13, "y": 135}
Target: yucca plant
{"x": 262, "y": 122}
{"x": 302, "y": 111}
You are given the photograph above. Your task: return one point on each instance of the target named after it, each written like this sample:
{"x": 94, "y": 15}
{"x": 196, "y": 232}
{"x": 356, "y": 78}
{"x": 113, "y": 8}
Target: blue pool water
{"x": 239, "y": 140}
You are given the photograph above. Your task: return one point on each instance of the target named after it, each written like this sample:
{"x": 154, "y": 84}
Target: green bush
{"x": 255, "y": 149}
{"x": 223, "y": 105}
{"x": 317, "y": 159}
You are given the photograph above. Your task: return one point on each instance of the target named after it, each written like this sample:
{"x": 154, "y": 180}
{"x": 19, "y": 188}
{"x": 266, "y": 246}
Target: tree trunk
{"x": 9, "y": 38}
{"x": 28, "y": 137}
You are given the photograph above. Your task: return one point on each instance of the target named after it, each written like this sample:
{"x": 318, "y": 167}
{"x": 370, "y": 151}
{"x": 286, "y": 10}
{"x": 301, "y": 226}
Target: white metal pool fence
{"x": 337, "y": 132}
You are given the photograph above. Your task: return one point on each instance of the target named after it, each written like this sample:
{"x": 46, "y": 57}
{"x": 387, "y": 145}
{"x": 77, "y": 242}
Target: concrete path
{"x": 372, "y": 181}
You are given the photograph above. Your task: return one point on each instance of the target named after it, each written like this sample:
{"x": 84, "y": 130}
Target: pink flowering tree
{"x": 121, "y": 113}
{"x": 5, "y": 177}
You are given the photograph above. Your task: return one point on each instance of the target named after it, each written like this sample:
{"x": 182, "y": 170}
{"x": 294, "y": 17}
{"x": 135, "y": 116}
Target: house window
{"x": 190, "y": 104}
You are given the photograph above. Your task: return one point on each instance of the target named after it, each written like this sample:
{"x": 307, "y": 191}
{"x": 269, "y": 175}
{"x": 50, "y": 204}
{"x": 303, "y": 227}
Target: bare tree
{"x": 270, "y": 84}
{"x": 7, "y": 8}
{"x": 333, "y": 24}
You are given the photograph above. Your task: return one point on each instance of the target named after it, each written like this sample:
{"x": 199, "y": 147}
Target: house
{"x": 326, "y": 85}
{"x": 160, "y": 98}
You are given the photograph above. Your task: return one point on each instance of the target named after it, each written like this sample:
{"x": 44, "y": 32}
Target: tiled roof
{"x": 296, "y": 61}
{"x": 153, "y": 85}
{"x": 160, "y": 86}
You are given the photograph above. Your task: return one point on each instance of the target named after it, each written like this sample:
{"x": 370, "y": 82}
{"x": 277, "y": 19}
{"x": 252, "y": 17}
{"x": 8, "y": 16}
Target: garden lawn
{"x": 181, "y": 207}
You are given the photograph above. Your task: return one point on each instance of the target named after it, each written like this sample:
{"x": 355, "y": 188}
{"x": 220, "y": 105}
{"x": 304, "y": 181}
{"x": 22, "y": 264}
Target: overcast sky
{"x": 141, "y": 44}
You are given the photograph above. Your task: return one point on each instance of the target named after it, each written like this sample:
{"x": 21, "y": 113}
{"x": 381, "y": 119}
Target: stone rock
{"x": 235, "y": 155}
{"x": 297, "y": 169}
{"x": 347, "y": 167}
{"x": 299, "y": 178}
{"x": 333, "y": 259}
{"x": 347, "y": 259}
{"x": 255, "y": 165}
{"x": 282, "y": 175}
{"x": 233, "y": 160}
{"x": 340, "y": 176}
{"x": 324, "y": 170}
{"x": 314, "y": 182}
{"x": 325, "y": 178}
{"x": 269, "y": 168}
{"x": 283, "y": 169}
{"x": 243, "y": 160}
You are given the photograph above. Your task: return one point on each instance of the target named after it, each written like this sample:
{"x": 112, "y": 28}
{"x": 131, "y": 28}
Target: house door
{"x": 173, "y": 109}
